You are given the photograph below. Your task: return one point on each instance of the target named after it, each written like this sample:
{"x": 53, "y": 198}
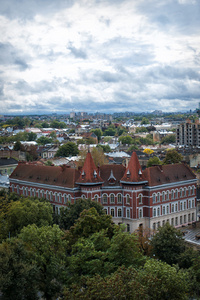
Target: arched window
{"x": 167, "y": 195}
{"x": 154, "y": 212}
{"x": 56, "y": 197}
{"x": 60, "y": 197}
{"x": 163, "y": 196}
{"x": 158, "y": 197}
{"x": 51, "y": 196}
{"x": 172, "y": 194}
{"x": 181, "y": 206}
{"x": 128, "y": 199}
{"x": 185, "y": 192}
{"x": 193, "y": 203}
{"x": 140, "y": 198}
{"x": 154, "y": 198}
{"x": 42, "y": 193}
{"x": 128, "y": 227}
{"x": 176, "y": 207}
{"x": 189, "y": 191}
{"x": 119, "y": 212}
{"x": 189, "y": 204}
{"x": 163, "y": 210}
{"x": 119, "y": 198}
{"x": 112, "y": 212}
{"x": 140, "y": 213}
{"x": 23, "y": 190}
{"x": 167, "y": 209}
{"x": 112, "y": 198}
{"x": 172, "y": 208}
{"x": 47, "y": 195}
{"x": 184, "y": 205}
{"x": 105, "y": 210}
{"x": 128, "y": 213}
{"x": 83, "y": 196}
{"x": 70, "y": 198}
{"x": 96, "y": 198}
{"x": 181, "y": 193}
{"x": 38, "y": 192}
{"x": 65, "y": 198}
{"x": 105, "y": 198}
{"x": 158, "y": 211}
{"x": 193, "y": 190}
{"x": 176, "y": 194}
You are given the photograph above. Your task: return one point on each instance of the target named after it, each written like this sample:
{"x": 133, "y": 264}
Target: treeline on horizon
{"x": 82, "y": 254}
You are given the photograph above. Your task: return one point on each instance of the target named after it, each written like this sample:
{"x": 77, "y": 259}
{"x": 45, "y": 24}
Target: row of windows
{"x": 175, "y": 194}
{"x": 174, "y": 208}
{"x": 111, "y": 197}
{"x": 42, "y": 194}
{"x": 175, "y": 221}
{"x": 119, "y": 212}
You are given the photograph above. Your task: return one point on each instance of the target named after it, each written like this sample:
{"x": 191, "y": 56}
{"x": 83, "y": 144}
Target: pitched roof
{"x": 51, "y": 175}
{"x": 89, "y": 173}
{"x": 166, "y": 174}
{"x": 133, "y": 173}
{"x": 112, "y": 174}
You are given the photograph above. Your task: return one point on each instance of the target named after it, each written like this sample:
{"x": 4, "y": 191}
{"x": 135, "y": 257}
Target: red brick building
{"x": 159, "y": 194}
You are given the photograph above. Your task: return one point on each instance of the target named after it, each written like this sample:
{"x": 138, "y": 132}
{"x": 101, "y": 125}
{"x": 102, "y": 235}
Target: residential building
{"x": 150, "y": 198}
{"x": 188, "y": 134}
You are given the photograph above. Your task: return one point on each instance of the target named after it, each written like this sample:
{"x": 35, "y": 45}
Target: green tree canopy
{"x": 98, "y": 133}
{"x": 169, "y": 139}
{"x": 168, "y": 244}
{"x": 153, "y": 161}
{"x": 43, "y": 140}
{"x": 172, "y": 157}
{"x": 126, "y": 139}
{"x": 67, "y": 149}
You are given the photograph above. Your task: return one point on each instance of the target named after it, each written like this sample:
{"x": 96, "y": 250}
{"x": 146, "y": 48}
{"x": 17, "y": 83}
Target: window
{"x": 189, "y": 204}
{"x": 176, "y": 194}
{"x": 163, "y": 210}
{"x": 65, "y": 198}
{"x": 176, "y": 221}
{"x": 56, "y": 197}
{"x": 176, "y": 207}
{"x": 185, "y": 191}
{"x": 181, "y": 206}
{"x": 158, "y": 197}
{"x": 112, "y": 198}
{"x": 192, "y": 216}
{"x": 185, "y": 219}
{"x": 163, "y": 222}
{"x": 154, "y": 198}
{"x": 189, "y": 218}
{"x": 172, "y": 209}
{"x": 181, "y": 193}
{"x": 163, "y": 196}
{"x": 96, "y": 198}
{"x": 128, "y": 213}
{"x": 167, "y": 195}
{"x": 83, "y": 196}
{"x": 13, "y": 188}
{"x": 154, "y": 212}
{"x": 193, "y": 190}
{"x": 105, "y": 198}
{"x": 189, "y": 191}
{"x": 47, "y": 195}
{"x": 26, "y": 191}
{"x": 127, "y": 199}
{"x": 119, "y": 213}
{"x": 167, "y": 209}
{"x": 51, "y": 196}
{"x": 112, "y": 212}
{"x": 158, "y": 211}
{"x": 23, "y": 190}
{"x": 158, "y": 224}
{"x": 172, "y": 194}
{"x": 59, "y": 197}
{"x": 193, "y": 203}
{"x": 119, "y": 198}
{"x": 181, "y": 220}
{"x": 105, "y": 210}
{"x": 31, "y": 192}
{"x": 70, "y": 198}
{"x": 140, "y": 198}
{"x": 154, "y": 226}
{"x": 128, "y": 228}
{"x": 140, "y": 213}
{"x": 184, "y": 205}
{"x": 172, "y": 221}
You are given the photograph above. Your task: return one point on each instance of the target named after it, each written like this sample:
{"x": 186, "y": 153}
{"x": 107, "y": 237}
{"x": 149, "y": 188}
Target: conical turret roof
{"x": 133, "y": 173}
{"x": 89, "y": 173}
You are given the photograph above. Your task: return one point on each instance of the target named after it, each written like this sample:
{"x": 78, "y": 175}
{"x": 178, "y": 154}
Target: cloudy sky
{"x": 99, "y": 55}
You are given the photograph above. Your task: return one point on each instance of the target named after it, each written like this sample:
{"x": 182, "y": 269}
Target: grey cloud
{"x": 11, "y": 56}
{"x": 78, "y": 53}
{"x": 23, "y": 88}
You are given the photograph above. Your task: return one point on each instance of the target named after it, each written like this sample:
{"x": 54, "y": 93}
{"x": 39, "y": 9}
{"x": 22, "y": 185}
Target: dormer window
{"x": 112, "y": 178}
{"x": 95, "y": 173}
{"x": 128, "y": 173}
{"x": 140, "y": 172}
{"x": 83, "y": 174}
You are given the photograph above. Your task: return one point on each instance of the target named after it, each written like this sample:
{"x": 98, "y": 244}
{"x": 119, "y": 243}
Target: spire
{"x": 89, "y": 173}
{"x": 133, "y": 173}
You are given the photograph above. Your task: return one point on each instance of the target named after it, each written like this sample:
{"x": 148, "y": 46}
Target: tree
{"x": 46, "y": 249}
{"x": 23, "y": 212}
{"x": 148, "y": 151}
{"x": 43, "y": 140}
{"x": 144, "y": 121}
{"x": 126, "y": 139}
{"x": 17, "y": 272}
{"x": 72, "y": 212}
{"x": 67, "y": 149}
{"x": 110, "y": 131}
{"x": 18, "y": 146}
{"x": 168, "y": 244}
{"x": 153, "y": 161}
{"x": 169, "y": 139}
{"x": 32, "y": 136}
{"x": 106, "y": 148}
{"x": 172, "y": 157}
{"x": 141, "y": 129}
{"x": 98, "y": 133}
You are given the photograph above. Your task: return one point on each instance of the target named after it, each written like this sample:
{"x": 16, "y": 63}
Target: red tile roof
{"x": 89, "y": 172}
{"x": 51, "y": 175}
{"x": 133, "y": 171}
{"x": 112, "y": 174}
{"x": 165, "y": 174}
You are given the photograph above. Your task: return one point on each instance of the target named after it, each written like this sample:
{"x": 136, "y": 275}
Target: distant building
{"x": 188, "y": 134}
{"x": 148, "y": 198}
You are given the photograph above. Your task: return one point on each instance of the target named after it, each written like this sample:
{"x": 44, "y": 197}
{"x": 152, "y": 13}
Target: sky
{"x": 58, "y": 56}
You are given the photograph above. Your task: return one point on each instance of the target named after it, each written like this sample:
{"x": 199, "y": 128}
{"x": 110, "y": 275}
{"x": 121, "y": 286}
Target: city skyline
{"x": 106, "y": 56}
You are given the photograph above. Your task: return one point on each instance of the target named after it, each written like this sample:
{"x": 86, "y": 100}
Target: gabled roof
{"x": 133, "y": 173}
{"x": 112, "y": 173}
{"x": 165, "y": 174}
{"x": 50, "y": 175}
{"x": 89, "y": 172}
